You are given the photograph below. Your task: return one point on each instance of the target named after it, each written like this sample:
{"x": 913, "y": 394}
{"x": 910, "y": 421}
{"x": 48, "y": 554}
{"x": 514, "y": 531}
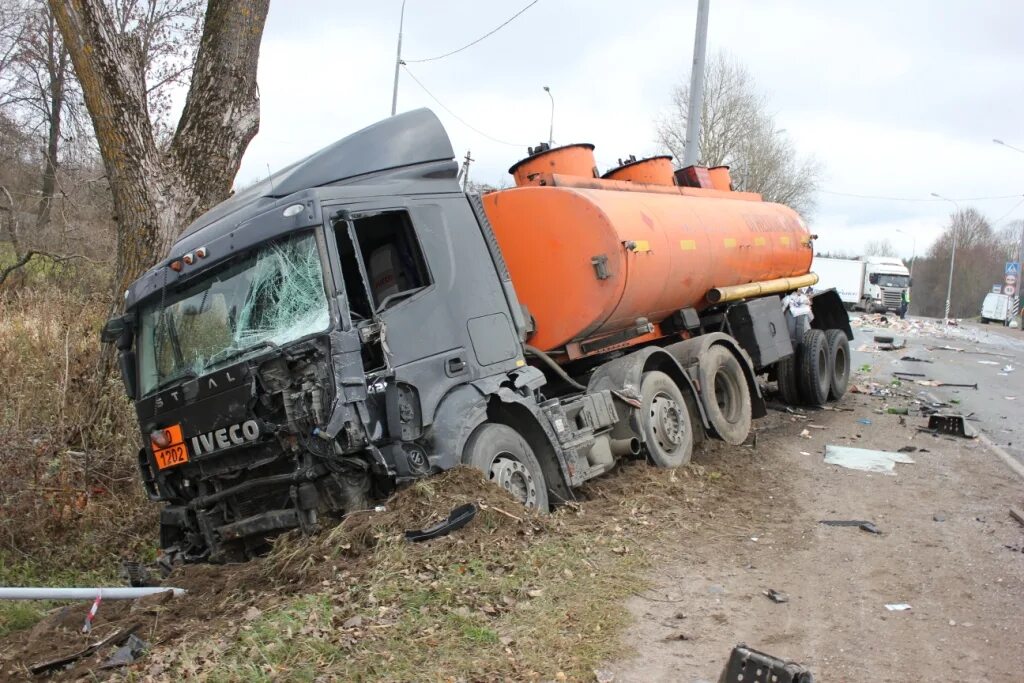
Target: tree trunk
{"x": 155, "y": 194}
{"x": 57, "y": 71}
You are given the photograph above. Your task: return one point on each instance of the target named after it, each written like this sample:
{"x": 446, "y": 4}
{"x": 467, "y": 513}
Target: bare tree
{"x": 158, "y": 189}
{"x": 738, "y": 131}
{"x": 882, "y": 247}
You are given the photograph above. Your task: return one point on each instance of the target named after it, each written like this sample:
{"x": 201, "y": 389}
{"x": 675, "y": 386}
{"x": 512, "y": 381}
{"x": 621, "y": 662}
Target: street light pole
{"x": 398, "y": 61}
{"x": 913, "y": 253}
{"x": 1006, "y": 144}
{"x": 693, "y": 111}
{"x": 952, "y": 255}
{"x": 551, "y": 128}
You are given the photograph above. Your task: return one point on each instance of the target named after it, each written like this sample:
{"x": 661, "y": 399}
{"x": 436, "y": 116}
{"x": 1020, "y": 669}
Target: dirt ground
{"x": 965, "y": 586}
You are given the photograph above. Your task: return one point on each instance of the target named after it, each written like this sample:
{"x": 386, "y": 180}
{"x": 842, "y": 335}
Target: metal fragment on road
{"x": 866, "y": 460}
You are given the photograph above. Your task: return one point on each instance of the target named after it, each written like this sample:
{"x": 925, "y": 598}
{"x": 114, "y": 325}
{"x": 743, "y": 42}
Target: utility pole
{"x": 398, "y": 61}
{"x": 1020, "y": 250}
{"x": 551, "y": 128}
{"x": 700, "y": 46}
{"x": 464, "y": 171}
{"x": 952, "y": 255}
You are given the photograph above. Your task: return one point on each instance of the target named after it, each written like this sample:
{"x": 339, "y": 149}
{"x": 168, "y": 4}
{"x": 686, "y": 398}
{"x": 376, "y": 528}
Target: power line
{"x": 459, "y": 118}
{"x": 917, "y": 199}
{"x": 469, "y": 45}
{"x": 1000, "y": 219}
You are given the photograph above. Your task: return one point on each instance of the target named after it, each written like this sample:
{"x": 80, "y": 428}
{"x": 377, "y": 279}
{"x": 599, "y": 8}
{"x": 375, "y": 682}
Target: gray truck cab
{"x": 329, "y": 332}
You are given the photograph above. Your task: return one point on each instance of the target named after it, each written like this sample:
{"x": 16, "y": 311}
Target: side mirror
{"x": 910, "y": 282}
{"x": 113, "y": 330}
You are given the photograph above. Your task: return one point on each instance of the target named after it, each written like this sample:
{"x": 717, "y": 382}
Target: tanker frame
{"x": 356, "y": 322}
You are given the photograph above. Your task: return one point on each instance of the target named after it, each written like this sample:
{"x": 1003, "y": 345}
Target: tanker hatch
{"x": 572, "y": 160}
{"x": 651, "y": 171}
{"x": 714, "y": 178}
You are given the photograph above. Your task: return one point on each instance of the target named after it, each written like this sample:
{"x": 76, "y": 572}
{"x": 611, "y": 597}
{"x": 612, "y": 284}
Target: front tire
{"x": 725, "y": 395}
{"x": 506, "y": 459}
{"x": 665, "y": 421}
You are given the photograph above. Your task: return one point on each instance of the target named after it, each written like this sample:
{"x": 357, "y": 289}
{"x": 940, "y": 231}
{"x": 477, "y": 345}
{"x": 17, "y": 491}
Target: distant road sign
{"x": 1009, "y": 290}
{"x": 1012, "y": 268}
{"x": 996, "y": 289}
{"x": 1010, "y": 279}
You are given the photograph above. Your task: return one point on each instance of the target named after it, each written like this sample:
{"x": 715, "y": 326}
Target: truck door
{"x": 419, "y": 270}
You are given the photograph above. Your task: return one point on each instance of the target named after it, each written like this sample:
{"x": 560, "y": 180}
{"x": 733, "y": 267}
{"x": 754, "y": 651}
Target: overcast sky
{"x": 896, "y": 99}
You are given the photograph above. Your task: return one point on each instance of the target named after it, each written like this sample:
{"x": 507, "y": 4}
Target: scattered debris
{"x": 115, "y": 638}
{"x": 746, "y": 664}
{"x": 133, "y": 649}
{"x": 896, "y": 410}
{"x": 898, "y": 607}
{"x": 1007, "y": 368}
{"x": 776, "y": 596}
{"x": 954, "y": 425}
{"x": 906, "y": 449}
{"x": 908, "y": 374}
{"x": 988, "y": 362}
{"x": 915, "y": 360}
{"x": 458, "y": 518}
{"x": 861, "y": 524}
{"x": 939, "y": 517}
{"x": 864, "y": 421}
{"x": 883, "y": 462}
{"x": 805, "y": 434}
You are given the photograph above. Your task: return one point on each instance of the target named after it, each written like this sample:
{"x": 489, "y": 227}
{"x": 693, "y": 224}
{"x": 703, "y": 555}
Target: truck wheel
{"x": 665, "y": 421}
{"x": 838, "y": 363}
{"x": 984, "y": 321}
{"x": 812, "y": 369}
{"x": 725, "y": 394}
{"x": 785, "y": 376}
{"x": 506, "y": 459}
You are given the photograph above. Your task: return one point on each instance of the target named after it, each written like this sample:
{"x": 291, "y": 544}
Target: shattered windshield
{"x": 270, "y": 296}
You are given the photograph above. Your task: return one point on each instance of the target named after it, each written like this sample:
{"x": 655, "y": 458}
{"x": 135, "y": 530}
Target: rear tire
{"x": 838, "y": 363}
{"x": 665, "y": 421}
{"x": 785, "y": 377}
{"x": 984, "y": 321}
{"x": 813, "y": 368}
{"x": 725, "y": 394}
{"x": 506, "y": 459}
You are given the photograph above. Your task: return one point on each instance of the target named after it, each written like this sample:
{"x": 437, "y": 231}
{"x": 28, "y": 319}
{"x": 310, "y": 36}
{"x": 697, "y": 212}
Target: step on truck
{"x": 357, "y": 321}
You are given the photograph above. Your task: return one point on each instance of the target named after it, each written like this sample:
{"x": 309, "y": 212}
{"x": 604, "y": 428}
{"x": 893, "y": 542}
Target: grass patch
{"x": 553, "y": 605}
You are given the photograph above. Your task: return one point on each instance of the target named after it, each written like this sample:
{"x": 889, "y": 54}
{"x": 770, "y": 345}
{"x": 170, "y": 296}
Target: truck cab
{"x": 885, "y": 281}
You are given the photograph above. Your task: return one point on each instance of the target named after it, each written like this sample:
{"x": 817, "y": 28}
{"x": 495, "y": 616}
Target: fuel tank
{"x": 589, "y": 258}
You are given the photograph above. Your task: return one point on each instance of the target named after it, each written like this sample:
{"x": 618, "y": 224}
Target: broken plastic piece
{"x": 458, "y": 518}
{"x": 954, "y": 425}
{"x": 776, "y": 596}
{"x": 132, "y": 650}
{"x": 898, "y": 607}
{"x": 883, "y": 462}
{"x": 861, "y": 524}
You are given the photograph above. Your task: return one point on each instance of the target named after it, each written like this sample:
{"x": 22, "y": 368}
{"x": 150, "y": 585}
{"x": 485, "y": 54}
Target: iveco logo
{"x": 235, "y": 435}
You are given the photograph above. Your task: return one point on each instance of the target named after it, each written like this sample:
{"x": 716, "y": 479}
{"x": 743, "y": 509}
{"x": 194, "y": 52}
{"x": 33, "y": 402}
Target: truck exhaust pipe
{"x": 622, "y": 447}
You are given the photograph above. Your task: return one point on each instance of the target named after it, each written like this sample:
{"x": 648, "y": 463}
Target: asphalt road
{"x": 998, "y": 402}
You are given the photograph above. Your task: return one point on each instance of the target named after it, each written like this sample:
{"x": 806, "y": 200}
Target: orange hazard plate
{"x": 174, "y": 454}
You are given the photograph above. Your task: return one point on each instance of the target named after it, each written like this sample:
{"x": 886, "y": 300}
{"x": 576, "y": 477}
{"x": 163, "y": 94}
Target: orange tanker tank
{"x": 597, "y": 259}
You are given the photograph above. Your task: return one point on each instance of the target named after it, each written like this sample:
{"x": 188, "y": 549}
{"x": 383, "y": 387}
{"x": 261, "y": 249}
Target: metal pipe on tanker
{"x": 700, "y": 46}
{"x": 720, "y": 295}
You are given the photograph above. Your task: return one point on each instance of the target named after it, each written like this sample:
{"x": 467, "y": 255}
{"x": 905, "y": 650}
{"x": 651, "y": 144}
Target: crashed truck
{"x": 356, "y": 321}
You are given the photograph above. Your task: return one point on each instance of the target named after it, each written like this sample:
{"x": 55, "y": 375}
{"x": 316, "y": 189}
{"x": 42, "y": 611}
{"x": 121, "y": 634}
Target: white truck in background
{"x": 874, "y": 284}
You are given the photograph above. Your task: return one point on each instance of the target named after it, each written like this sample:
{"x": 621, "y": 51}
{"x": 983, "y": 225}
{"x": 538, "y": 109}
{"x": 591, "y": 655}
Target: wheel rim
{"x": 667, "y": 422}
{"x": 726, "y": 395}
{"x": 512, "y": 475}
{"x": 840, "y": 363}
{"x": 823, "y": 378}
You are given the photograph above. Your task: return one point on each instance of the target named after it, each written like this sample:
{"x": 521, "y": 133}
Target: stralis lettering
{"x": 235, "y": 435}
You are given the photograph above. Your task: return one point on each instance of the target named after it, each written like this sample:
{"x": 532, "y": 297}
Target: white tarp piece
{"x": 883, "y": 462}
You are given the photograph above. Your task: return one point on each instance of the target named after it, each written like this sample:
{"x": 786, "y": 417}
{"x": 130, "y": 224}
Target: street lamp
{"x": 1020, "y": 251}
{"x": 913, "y": 253}
{"x": 398, "y": 61}
{"x": 551, "y": 128}
{"x": 952, "y": 255}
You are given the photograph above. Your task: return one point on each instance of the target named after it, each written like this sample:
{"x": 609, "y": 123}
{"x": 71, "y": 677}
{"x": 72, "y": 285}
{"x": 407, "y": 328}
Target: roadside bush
{"x": 70, "y": 500}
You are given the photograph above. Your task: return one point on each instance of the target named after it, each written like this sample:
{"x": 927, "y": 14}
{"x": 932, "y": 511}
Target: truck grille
{"x": 891, "y": 298}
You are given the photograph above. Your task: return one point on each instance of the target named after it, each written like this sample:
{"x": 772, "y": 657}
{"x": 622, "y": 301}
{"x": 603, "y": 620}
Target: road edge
{"x": 1008, "y": 459}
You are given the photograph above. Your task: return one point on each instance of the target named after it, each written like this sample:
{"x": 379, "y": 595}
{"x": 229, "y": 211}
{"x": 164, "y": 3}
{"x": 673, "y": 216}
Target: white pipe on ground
{"x": 119, "y": 593}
